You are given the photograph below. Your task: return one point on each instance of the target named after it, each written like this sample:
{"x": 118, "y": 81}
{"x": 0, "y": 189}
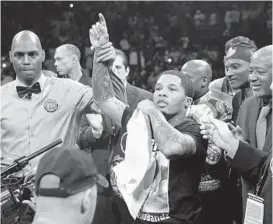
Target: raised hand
{"x": 98, "y": 34}
{"x": 219, "y": 133}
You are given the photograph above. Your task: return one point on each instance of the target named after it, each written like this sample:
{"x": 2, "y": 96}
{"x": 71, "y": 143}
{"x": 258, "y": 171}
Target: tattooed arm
{"x": 103, "y": 92}
{"x": 101, "y": 82}
{"x": 170, "y": 141}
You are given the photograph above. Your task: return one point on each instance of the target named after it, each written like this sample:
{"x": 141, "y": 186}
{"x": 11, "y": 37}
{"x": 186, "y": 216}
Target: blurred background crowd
{"x": 155, "y": 35}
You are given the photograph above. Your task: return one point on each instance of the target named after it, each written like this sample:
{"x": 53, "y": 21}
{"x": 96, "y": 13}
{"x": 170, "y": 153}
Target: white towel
{"x": 136, "y": 172}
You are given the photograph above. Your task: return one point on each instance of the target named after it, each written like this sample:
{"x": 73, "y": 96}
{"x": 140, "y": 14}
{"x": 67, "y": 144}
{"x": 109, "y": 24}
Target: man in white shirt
{"x": 36, "y": 110}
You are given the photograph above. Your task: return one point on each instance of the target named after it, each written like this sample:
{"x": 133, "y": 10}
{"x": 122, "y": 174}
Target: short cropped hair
{"x": 241, "y": 41}
{"x": 185, "y": 81}
{"x": 73, "y": 50}
{"x": 123, "y": 55}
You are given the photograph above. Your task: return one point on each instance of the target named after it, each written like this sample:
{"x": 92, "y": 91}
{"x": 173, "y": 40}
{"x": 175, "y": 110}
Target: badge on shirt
{"x": 50, "y": 105}
{"x": 254, "y": 209}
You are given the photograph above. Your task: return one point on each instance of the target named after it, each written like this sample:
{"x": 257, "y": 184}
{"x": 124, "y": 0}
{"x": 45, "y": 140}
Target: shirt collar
{"x": 41, "y": 80}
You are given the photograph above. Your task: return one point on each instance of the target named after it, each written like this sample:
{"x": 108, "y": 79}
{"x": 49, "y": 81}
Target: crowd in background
{"x": 155, "y": 35}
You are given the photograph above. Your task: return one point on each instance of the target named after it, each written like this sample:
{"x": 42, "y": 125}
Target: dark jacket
{"x": 252, "y": 164}
{"x": 247, "y": 120}
{"x": 135, "y": 95}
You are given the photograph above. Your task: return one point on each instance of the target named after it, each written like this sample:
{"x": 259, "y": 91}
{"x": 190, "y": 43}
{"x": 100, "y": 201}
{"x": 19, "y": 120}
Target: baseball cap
{"x": 75, "y": 169}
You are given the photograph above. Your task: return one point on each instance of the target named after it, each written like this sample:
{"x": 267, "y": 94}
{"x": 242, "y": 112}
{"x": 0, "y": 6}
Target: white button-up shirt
{"x": 28, "y": 125}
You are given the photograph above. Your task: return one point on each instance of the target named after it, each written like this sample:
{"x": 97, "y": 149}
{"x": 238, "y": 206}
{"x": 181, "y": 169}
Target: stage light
{"x": 71, "y": 5}
{"x": 4, "y": 65}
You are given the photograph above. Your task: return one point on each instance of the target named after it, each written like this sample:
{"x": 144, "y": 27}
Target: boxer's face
{"x": 237, "y": 72}
{"x": 169, "y": 95}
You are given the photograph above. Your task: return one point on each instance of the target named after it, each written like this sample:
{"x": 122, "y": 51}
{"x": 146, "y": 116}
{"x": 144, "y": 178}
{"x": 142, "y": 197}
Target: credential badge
{"x": 50, "y": 105}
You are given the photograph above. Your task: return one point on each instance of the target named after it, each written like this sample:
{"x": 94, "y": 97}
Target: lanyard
{"x": 263, "y": 174}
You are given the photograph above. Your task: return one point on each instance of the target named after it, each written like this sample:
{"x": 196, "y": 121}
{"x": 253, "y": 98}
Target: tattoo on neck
{"x": 101, "y": 81}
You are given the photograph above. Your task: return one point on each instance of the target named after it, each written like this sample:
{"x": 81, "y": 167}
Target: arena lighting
{"x": 4, "y": 65}
{"x": 71, "y": 5}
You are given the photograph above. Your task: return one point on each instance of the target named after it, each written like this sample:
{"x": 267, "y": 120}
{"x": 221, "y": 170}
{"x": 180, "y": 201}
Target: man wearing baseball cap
{"x": 65, "y": 185}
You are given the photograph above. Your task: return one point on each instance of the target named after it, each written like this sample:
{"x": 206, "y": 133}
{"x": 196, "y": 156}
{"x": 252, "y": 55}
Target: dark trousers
{"x": 121, "y": 212}
{"x": 104, "y": 214}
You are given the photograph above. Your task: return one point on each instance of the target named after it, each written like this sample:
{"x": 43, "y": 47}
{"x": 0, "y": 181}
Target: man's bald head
{"x": 198, "y": 68}
{"x": 70, "y": 50}
{"x": 200, "y": 73}
{"x": 264, "y": 54}
{"x": 67, "y": 61}
{"x": 25, "y": 36}
{"x": 27, "y": 56}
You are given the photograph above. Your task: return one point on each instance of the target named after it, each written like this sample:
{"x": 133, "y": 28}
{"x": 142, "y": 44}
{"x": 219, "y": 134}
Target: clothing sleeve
{"x": 118, "y": 87}
{"x": 86, "y": 138}
{"x": 192, "y": 129}
{"x": 79, "y": 95}
{"x": 248, "y": 161}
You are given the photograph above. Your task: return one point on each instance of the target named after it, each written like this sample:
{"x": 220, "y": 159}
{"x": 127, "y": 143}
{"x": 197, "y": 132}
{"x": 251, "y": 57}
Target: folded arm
{"x": 171, "y": 142}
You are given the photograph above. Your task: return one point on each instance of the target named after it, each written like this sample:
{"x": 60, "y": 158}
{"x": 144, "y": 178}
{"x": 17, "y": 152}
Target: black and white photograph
{"x": 136, "y": 112}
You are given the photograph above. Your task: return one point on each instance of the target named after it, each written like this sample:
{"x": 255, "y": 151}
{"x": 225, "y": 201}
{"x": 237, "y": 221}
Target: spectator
{"x": 65, "y": 185}
{"x": 213, "y": 19}
{"x": 199, "y": 18}
{"x": 232, "y": 20}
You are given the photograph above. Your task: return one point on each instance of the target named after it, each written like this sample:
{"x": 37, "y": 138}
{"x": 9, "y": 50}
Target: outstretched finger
{"x": 102, "y": 19}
